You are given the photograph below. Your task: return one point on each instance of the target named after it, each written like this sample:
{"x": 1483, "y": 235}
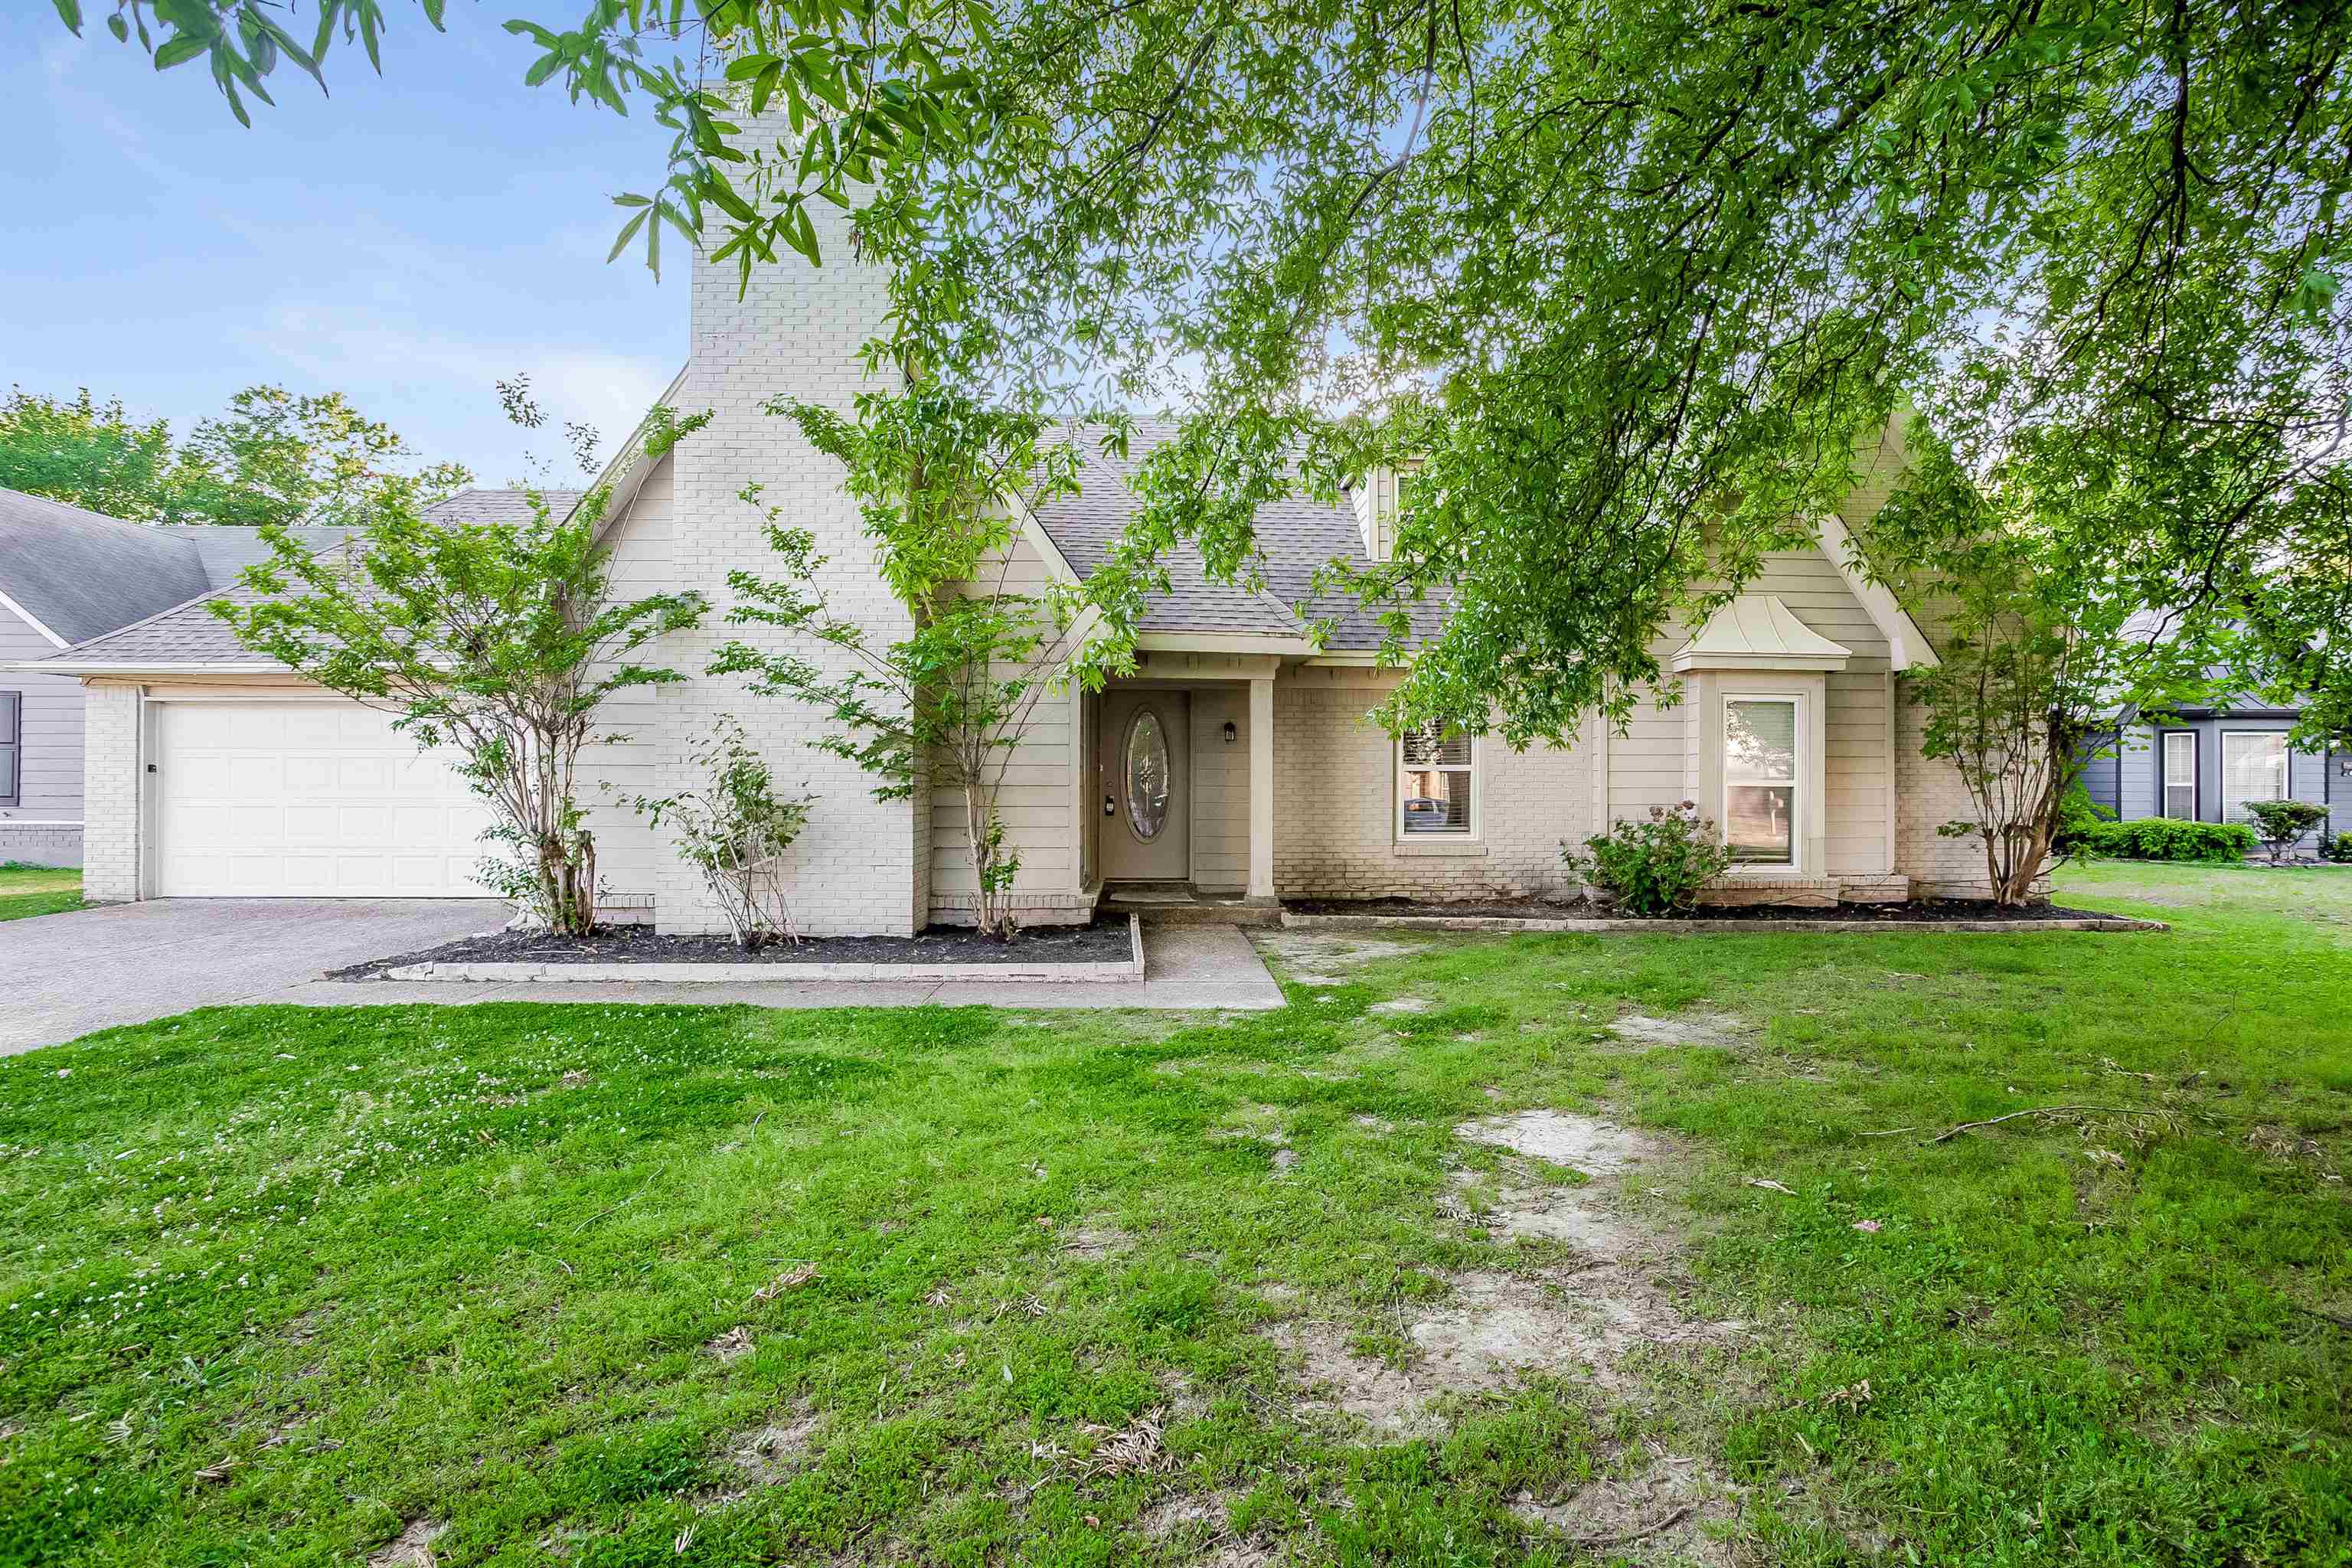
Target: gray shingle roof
{"x": 501, "y": 506}
{"x": 227, "y": 552}
{"x": 80, "y": 573}
{"x": 1296, "y": 536}
{"x": 184, "y": 630}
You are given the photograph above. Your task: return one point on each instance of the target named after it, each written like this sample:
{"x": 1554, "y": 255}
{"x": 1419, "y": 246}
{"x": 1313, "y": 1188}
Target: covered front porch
{"x": 1179, "y": 764}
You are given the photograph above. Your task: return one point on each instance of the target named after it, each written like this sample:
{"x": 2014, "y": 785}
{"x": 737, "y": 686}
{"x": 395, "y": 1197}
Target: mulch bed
{"x": 1919, "y": 911}
{"x": 1104, "y": 942}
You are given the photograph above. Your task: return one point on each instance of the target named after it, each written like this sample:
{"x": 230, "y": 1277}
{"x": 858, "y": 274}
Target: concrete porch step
{"x": 1179, "y": 904}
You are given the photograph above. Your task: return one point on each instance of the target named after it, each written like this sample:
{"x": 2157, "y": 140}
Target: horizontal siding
{"x": 1221, "y": 788}
{"x": 52, "y": 730}
{"x": 1855, "y": 755}
{"x": 1038, "y": 783}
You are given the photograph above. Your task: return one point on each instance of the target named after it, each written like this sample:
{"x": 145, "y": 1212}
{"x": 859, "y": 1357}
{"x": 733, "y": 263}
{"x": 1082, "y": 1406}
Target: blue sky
{"x": 407, "y": 241}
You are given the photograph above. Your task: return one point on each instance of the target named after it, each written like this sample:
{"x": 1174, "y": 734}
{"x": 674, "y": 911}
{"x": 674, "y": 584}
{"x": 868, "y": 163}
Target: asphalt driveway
{"x": 65, "y": 976}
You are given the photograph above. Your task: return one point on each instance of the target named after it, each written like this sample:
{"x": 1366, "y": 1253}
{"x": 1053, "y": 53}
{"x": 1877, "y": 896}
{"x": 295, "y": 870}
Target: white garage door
{"x": 306, "y": 799}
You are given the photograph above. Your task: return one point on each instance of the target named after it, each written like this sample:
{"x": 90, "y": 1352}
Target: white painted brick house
{"x": 1238, "y": 760}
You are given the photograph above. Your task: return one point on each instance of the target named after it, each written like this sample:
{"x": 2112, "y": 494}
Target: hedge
{"x": 2168, "y": 838}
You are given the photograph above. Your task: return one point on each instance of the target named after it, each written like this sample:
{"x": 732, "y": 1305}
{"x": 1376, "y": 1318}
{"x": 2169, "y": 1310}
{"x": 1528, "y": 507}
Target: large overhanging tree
{"x": 1629, "y": 282}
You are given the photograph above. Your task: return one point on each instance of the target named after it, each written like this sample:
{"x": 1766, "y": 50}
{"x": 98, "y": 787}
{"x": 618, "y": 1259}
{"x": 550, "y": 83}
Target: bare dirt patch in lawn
{"x": 767, "y": 1455}
{"x": 1642, "y": 1030}
{"x": 412, "y": 1548}
{"x": 1324, "y": 958}
{"x": 1095, "y": 1240}
{"x": 1396, "y": 1004}
{"x": 1620, "y": 1300}
{"x": 1583, "y": 1143}
{"x": 1190, "y": 1514}
{"x": 1657, "y": 1514}
{"x": 1196, "y": 1525}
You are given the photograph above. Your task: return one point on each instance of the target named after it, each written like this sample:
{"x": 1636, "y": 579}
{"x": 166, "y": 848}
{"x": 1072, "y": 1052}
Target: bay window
{"x": 1760, "y": 740}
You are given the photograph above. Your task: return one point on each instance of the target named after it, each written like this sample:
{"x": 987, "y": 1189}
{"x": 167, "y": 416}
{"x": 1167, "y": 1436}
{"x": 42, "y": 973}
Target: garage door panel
{"x": 311, "y": 725}
{"x": 311, "y": 874}
{"x": 256, "y": 774}
{"x": 362, "y": 774}
{"x": 311, "y": 799}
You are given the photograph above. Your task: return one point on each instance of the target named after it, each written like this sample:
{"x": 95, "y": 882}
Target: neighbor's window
{"x": 1759, "y": 780}
{"x": 12, "y": 748}
{"x": 2180, "y": 775}
{"x": 1435, "y": 773}
{"x": 2253, "y": 767}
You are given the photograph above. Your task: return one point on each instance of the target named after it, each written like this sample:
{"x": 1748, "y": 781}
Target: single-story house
{"x": 2204, "y": 764}
{"x": 1238, "y": 760}
{"x": 67, "y": 575}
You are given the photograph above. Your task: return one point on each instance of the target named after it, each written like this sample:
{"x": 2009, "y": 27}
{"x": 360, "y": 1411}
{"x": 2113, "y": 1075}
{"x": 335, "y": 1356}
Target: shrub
{"x": 2169, "y": 838}
{"x": 1657, "y": 866}
{"x": 733, "y": 827}
{"x": 2282, "y": 822}
{"x": 2078, "y": 817}
{"x": 2336, "y": 847}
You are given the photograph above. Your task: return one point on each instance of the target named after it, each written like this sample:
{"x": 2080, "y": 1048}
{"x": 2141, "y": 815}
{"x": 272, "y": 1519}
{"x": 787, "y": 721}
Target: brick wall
{"x": 1335, "y": 802}
{"x": 111, "y": 779}
{"x": 861, "y": 865}
{"x": 38, "y": 844}
{"x": 1931, "y": 794}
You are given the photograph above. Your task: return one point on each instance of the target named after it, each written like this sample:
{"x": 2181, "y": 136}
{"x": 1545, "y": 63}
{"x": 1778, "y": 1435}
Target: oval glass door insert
{"x": 1146, "y": 775}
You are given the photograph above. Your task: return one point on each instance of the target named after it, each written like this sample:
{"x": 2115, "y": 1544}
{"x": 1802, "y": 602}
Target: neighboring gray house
{"x": 68, "y": 576}
{"x": 2203, "y": 764}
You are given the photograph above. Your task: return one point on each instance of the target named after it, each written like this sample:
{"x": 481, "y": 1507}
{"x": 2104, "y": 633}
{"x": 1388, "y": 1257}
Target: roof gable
{"x": 74, "y": 574}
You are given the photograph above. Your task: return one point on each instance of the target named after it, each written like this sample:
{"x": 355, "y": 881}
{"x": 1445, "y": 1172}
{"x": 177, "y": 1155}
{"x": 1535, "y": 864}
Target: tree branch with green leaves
{"x": 496, "y": 644}
{"x": 941, "y": 482}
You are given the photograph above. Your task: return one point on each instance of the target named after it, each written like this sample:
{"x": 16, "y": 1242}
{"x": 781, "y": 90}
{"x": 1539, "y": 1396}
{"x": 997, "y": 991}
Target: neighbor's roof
{"x": 77, "y": 574}
{"x": 183, "y": 630}
{"x": 80, "y": 575}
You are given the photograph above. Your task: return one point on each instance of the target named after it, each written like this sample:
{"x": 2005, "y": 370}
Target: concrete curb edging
{"x": 1129, "y": 971}
{"x": 1698, "y": 926}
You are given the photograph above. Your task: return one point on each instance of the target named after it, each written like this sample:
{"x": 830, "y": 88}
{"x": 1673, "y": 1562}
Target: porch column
{"x": 1261, "y": 788}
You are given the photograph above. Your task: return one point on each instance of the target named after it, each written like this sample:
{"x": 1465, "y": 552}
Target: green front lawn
{"x": 607, "y": 1285}
{"x": 37, "y": 891}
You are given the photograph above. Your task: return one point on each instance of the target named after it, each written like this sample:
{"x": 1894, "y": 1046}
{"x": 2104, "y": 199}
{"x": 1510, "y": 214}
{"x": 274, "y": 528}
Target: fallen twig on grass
{"x": 1590, "y": 1542}
{"x": 2322, "y": 1317}
{"x": 1951, "y": 1133}
{"x": 625, "y": 1203}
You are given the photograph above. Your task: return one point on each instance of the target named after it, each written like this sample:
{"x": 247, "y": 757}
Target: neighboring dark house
{"x": 2203, "y": 764}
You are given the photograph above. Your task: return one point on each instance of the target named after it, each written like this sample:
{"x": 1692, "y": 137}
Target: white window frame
{"x": 1397, "y": 776}
{"x": 1799, "y": 785}
{"x": 2166, "y": 784}
{"x": 2286, "y": 770}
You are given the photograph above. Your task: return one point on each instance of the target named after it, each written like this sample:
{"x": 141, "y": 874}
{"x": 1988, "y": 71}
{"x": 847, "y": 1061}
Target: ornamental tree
{"x": 940, "y": 482}
{"x": 2042, "y": 635}
{"x": 499, "y": 643}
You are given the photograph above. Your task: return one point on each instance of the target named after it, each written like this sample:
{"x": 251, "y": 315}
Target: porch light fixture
{"x": 1232, "y": 731}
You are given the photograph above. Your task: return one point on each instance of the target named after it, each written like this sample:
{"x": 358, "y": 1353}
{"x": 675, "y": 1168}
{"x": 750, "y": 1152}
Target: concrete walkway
{"x": 1183, "y": 967}
{"x": 64, "y": 975}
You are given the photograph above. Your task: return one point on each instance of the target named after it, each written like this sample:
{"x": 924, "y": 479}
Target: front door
{"x": 1141, "y": 775}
